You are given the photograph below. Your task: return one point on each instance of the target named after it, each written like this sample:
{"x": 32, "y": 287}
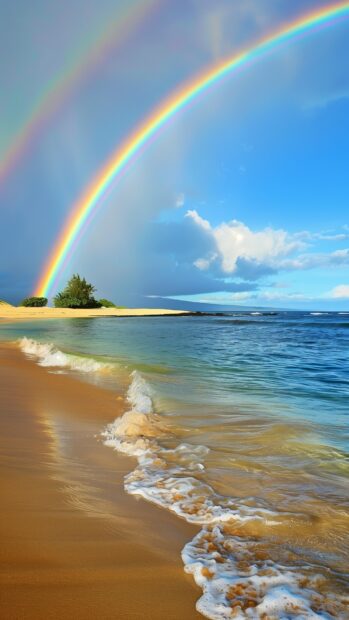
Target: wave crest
{"x": 134, "y": 431}
{"x": 46, "y": 354}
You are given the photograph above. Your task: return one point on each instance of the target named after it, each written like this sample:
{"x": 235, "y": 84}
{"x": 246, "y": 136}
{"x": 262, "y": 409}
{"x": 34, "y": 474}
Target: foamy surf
{"x": 46, "y": 354}
{"x": 238, "y": 574}
{"x": 240, "y": 579}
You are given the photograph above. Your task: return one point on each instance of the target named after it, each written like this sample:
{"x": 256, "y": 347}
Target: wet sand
{"x": 73, "y": 543}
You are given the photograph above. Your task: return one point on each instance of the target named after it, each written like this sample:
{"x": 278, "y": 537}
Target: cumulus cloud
{"x": 234, "y": 250}
{"x": 243, "y": 252}
{"x": 235, "y": 240}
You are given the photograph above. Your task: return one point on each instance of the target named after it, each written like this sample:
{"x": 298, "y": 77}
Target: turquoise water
{"x": 242, "y": 428}
{"x": 294, "y": 364}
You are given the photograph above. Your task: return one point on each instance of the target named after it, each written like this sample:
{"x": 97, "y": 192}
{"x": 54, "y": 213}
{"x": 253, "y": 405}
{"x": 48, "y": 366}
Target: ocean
{"x": 239, "y": 423}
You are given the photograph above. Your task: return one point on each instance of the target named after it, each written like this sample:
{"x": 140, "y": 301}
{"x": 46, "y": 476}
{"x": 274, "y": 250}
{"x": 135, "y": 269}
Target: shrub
{"x": 34, "y": 302}
{"x": 64, "y": 301}
{"x": 77, "y": 294}
{"x": 106, "y": 303}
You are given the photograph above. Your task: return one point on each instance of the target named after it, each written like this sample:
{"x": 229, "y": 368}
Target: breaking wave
{"x": 46, "y": 354}
{"x": 318, "y": 313}
{"x": 234, "y": 558}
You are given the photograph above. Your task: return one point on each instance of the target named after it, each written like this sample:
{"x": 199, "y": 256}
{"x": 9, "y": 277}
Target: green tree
{"x": 106, "y": 303}
{"x": 77, "y": 294}
{"x": 34, "y": 302}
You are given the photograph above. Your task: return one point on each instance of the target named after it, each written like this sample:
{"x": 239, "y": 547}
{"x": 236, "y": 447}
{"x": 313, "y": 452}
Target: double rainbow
{"x": 91, "y": 199}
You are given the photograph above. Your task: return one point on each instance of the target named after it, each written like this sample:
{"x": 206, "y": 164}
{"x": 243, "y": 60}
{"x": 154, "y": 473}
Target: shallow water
{"x": 240, "y": 425}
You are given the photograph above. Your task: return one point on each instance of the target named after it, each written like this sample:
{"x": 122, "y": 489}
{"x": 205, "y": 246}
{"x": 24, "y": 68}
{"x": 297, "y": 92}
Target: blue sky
{"x": 243, "y": 199}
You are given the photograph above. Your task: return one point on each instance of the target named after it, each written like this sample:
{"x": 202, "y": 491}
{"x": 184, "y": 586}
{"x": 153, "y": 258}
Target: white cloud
{"x": 334, "y": 237}
{"x": 234, "y": 241}
{"x": 339, "y": 258}
{"x": 205, "y": 224}
{"x": 306, "y": 235}
{"x": 340, "y": 292}
{"x": 232, "y": 249}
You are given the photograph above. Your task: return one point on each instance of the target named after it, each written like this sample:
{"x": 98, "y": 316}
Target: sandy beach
{"x": 21, "y": 313}
{"x": 74, "y": 544}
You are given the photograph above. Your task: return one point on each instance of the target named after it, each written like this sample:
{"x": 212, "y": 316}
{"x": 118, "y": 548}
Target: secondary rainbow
{"x": 113, "y": 32}
{"x": 92, "y": 198}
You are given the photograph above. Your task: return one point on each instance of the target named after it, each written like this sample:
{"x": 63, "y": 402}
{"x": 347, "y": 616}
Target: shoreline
{"x": 21, "y": 313}
{"x": 74, "y": 543}
{"x": 174, "y": 464}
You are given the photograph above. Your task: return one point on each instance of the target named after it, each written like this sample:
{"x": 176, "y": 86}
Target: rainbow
{"x": 91, "y": 199}
{"x": 91, "y": 54}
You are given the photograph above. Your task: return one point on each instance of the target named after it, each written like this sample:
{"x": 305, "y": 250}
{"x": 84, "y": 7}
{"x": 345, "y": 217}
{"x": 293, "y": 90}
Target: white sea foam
{"x": 170, "y": 478}
{"x": 46, "y": 354}
{"x": 238, "y": 579}
{"x": 317, "y": 313}
{"x": 134, "y": 432}
{"x": 139, "y": 394}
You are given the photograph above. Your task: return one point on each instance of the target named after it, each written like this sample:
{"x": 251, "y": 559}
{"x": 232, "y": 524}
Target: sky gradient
{"x": 243, "y": 199}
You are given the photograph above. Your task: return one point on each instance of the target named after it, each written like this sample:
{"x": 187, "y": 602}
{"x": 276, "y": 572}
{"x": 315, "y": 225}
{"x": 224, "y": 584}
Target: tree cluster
{"x": 80, "y": 294}
{"x": 77, "y": 294}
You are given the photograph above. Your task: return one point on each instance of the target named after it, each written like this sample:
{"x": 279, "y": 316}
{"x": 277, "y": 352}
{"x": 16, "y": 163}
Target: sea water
{"x": 239, "y": 423}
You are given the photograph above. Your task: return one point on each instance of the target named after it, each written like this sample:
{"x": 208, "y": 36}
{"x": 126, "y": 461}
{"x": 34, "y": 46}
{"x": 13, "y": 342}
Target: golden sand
{"x": 21, "y": 313}
{"x": 73, "y": 543}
